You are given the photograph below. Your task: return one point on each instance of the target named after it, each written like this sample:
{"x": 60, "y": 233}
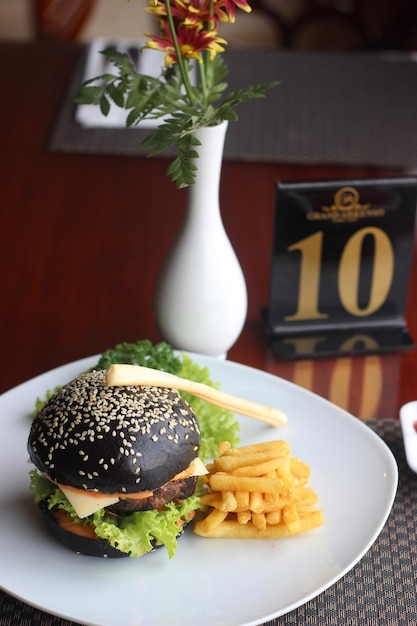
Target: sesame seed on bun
{"x": 113, "y": 439}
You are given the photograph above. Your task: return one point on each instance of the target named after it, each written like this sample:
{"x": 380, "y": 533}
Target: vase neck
{"x": 205, "y": 190}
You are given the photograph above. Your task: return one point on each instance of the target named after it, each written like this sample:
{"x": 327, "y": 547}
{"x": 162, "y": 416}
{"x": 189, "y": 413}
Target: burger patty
{"x": 173, "y": 490}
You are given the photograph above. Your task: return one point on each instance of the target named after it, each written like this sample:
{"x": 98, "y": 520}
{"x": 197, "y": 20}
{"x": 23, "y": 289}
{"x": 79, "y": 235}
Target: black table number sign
{"x": 340, "y": 267}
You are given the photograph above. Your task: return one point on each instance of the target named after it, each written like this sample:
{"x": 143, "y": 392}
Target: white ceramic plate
{"x": 210, "y": 582}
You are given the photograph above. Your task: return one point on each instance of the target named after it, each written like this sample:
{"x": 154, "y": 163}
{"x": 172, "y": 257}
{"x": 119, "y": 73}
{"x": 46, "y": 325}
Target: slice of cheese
{"x": 196, "y": 468}
{"x": 85, "y": 504}
{"x": 200, "y": 469}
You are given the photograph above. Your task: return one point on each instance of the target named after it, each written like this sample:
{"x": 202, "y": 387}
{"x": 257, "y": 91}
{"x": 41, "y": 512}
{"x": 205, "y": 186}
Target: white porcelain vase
{"x": 201, "y": 295}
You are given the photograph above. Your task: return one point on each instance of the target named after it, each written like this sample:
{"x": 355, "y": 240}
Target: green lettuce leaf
{"x": 159, "y": 356}
{"x": 216, "y": 424}
{"x": 136, "y": 532}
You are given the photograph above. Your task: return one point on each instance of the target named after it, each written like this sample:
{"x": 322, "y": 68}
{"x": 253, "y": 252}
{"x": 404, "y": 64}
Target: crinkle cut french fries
{"x": 258, "y": 492}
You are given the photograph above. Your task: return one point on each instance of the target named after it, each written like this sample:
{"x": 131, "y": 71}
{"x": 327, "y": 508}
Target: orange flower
{"x": 189, "y": 12}
{"x": 192, "y": 41}
{"x": 203, "y": 12}
{"x": 229, "y": 7}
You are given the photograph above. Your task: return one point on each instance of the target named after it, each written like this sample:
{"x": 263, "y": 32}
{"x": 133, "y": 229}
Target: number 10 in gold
{"x": 348, "y": 276}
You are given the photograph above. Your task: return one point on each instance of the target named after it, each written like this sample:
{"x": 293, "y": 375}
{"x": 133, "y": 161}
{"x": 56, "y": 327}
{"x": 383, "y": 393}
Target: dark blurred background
{"x": 290, "y": 24}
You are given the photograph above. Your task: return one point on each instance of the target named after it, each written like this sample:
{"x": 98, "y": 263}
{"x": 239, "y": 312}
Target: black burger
{"x": 116, "y": 467}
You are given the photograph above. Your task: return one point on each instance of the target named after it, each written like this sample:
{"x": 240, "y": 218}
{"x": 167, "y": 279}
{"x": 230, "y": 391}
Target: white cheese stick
{"x": 120, "y": 375}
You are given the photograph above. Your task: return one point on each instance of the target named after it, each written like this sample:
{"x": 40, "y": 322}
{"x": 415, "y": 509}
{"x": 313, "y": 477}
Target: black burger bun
{"x": 113, "y": 439}
{"x": 88, "y": 546}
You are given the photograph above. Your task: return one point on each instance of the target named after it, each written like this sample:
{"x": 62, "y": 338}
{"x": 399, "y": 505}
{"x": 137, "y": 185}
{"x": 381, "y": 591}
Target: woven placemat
{"x": 348, "y": 109}
{"x": 380, "y": 590}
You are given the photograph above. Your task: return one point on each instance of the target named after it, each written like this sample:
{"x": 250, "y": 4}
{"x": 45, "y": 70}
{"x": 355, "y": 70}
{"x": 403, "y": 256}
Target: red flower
{"x": 192, "y": 41}
{"x": 230, "y": 5}
{"x": 202, "y": 12}
{"x": 189, "y": 12}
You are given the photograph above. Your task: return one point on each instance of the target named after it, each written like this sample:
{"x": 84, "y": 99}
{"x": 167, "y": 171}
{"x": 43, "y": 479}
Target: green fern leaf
{"x": 104, "y": 105}
{"x": 116, "y": 94}
{"x": 89, "y": 95}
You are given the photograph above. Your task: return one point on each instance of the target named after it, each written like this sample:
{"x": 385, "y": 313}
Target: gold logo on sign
{"x": 346, "y": 199}
{"x": 346, "y": 207}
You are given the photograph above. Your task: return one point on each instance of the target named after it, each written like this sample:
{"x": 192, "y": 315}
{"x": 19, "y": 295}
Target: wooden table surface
{"x": 82, "y": 238}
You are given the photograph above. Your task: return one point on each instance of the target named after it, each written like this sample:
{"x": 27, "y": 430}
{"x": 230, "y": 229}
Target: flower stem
{"x": 183, "y": 67}
{"x": 207, "y": 60}
{"x": 203, "y": 69}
